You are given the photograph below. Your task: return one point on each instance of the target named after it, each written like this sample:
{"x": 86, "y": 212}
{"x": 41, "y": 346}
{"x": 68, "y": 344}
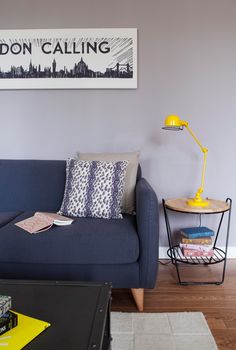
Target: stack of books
{"x": 8, "y": 319}
{"x": 27, "y": 327}
{"x": 196, "y": 241}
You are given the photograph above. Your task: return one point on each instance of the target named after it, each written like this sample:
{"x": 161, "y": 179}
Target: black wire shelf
{"x": 176, "y": 255}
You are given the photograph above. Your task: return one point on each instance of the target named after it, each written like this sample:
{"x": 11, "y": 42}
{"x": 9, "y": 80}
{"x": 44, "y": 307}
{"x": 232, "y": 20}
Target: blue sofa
{"x": 122, "y": 251}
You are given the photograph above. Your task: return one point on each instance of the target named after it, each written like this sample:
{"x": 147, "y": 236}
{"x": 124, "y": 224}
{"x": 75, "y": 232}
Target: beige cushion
{"x": 128, "y": 200}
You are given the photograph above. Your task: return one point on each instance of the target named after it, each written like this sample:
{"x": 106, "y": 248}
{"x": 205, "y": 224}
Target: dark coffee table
{"x": 79, "y": 313}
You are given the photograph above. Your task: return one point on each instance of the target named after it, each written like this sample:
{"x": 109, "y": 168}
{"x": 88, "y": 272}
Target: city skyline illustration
{"x": 79, "y": 70}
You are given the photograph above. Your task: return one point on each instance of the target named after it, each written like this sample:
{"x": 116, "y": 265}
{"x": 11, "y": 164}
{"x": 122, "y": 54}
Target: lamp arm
{"x": 203, "y": 171}
{"x": 204, "y": 150}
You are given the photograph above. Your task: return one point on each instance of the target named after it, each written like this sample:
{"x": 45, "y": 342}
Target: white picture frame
{"x": 96, "y": 58}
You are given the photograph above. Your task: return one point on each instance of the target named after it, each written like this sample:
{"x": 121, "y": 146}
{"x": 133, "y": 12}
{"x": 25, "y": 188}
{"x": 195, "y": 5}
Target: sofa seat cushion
{"x": 6, "y": 217}
{"x": 85, "y": 241}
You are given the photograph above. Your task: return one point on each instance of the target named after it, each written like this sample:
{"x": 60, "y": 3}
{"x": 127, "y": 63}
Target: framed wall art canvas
{"x": 101, "y": 58}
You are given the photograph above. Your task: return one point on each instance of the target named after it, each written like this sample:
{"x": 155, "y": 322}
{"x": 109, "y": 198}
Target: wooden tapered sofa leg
{"x": 138, "y": 295}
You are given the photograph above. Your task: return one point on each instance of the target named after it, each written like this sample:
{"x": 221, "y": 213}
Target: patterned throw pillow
{"x": 93, "y": 189}
{"x": 128, "y": 200}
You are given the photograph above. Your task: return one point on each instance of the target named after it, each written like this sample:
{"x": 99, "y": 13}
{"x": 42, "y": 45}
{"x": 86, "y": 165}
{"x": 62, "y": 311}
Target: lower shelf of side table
{"x": 176, "y": 255}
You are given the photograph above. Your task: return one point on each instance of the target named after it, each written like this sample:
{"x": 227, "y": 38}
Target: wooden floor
{"x": 218, "y": 303}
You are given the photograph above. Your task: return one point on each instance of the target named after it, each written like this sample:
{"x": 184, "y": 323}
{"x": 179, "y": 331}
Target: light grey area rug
{"x": 161, "y": 331}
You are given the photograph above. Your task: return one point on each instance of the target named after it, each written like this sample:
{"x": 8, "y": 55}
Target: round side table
{"x": 219, "y": 255}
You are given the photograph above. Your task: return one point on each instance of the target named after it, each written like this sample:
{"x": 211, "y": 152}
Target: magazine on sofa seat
{"x": 43, "y": 221}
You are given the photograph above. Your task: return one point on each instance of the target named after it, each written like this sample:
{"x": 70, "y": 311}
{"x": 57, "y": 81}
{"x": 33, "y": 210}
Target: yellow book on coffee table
{"x": 26, "y": 330}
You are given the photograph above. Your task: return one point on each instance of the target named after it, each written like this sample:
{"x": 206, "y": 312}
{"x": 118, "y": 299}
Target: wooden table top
{"x": 180, "y": 204}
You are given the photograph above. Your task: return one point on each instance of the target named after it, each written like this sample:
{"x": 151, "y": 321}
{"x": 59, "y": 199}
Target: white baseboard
{"x": 231, "y": 254}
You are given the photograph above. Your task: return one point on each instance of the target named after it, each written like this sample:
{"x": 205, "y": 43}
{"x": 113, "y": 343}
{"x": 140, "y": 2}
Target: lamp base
{"x": 197, "y": 202}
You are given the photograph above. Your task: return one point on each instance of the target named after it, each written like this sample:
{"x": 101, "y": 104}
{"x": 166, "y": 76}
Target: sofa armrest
{"x": 147, "y": 216}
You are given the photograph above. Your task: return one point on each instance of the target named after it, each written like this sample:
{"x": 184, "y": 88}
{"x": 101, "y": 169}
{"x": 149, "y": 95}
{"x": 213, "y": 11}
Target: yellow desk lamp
{"x": 173, "y": 122}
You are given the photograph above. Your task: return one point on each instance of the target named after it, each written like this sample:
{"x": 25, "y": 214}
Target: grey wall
{"x": 187, "y": 66}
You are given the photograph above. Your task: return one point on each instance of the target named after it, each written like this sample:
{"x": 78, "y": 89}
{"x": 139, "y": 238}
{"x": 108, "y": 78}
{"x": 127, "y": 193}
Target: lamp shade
{"x": 173, "y": 122}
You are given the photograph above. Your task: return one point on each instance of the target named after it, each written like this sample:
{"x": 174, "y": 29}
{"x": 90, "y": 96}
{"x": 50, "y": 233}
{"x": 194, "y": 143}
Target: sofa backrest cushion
{"x": 30, "y": 185}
